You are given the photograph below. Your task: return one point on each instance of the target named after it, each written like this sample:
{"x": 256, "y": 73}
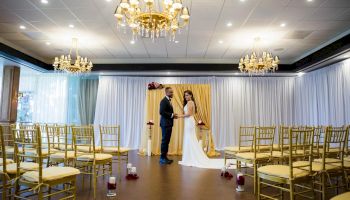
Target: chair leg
{"x": 255, "y": 178}
{"x": 94, "y": 179}
{"x": 323, "y": 185}
{"x": 291, "y": 191}
{"x": 4, "y": 189}
{"x": 259, "y": 188}
{"x": 49, "y": 191}
{"x": 74, "y": 185}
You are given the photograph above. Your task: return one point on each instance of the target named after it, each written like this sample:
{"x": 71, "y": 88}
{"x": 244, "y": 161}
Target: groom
{"x": 167, "y": 117}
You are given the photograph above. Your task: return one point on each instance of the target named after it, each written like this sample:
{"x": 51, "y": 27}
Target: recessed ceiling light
{"x": 48, "y": 43}
{"x": 176, "y": 41}
{"x": 44, "y": 1}
{"x": 22, "y": 27}
{"x": 236, "y": 73}
{"x": 301, "y": 73}
{"x": 132, "y": 42}
{"x": 71, "y": 26}
{"x": 283, "y": 25}
{"x": 168, "y": 73}
{"x": 242, "y": 0}
{"x": 309, "y": 0}
{"x": 220, "y": 41}
{"x": 108, "y": 0}
{"x": 229, "y": 24}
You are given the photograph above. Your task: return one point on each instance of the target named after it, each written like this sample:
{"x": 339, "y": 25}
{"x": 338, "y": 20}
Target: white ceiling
{"x": 103, "y": 42}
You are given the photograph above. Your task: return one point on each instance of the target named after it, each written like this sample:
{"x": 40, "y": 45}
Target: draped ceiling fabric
{"x": 202, "y": 95}
{"x": 321, "y": 97}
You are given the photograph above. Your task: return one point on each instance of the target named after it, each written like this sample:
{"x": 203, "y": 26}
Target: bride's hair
{"x": 192, "y": 97}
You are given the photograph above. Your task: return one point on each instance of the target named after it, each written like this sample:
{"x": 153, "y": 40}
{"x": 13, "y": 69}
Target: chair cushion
{"x": 87, "y": 148}
{"x": 98, "y": 156}
{"x": 331, "y": 161}
{"x": 282, "y": 171}
{"x": 316, "y": 166}
{"x": 24, "y": 166}
{"x": 347, "y": 158}
{"x": 115, "y": 149}
{"x": 237, "y": 149}
{"x": 60, "y": 155}
{"x": 8, "y": 161}
{"x": 344, "y": 196}
{"x": 63, "y": 147}
{"x": 250, "y": 155}
{"x": 44, "y": 152}
{"x": 51, "y": 173}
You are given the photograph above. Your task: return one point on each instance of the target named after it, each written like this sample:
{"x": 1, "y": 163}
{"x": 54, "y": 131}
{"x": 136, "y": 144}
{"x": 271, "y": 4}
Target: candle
{"x": 112, "y": 180}
{"x": 129, "y": 165}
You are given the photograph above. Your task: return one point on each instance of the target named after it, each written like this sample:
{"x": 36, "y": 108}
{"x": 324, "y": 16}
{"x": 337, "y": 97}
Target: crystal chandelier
{"x": 144, "y": 20}
{"x": 258, "y": 64}
{"x": 66, "y": 64}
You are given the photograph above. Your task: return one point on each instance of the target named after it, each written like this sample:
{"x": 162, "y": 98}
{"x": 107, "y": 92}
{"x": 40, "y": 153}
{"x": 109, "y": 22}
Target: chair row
{"x": 318, "y": 154}
{"x": 68, "y": 151}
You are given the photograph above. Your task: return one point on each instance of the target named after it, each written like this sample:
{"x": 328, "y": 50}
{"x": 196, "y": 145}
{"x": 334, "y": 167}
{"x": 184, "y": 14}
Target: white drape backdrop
{"x": 320, "y": 97}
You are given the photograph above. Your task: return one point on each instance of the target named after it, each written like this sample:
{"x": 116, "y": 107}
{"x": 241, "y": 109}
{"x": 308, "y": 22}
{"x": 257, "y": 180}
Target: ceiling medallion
{"x": 65, "y": 63}
{"x": 258, "y": 64}
{"x": 146, "y": 21}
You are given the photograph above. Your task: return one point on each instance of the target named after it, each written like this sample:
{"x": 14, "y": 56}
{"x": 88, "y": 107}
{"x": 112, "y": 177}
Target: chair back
{"x": 334, "y": 145}
{"x": 318, "y": 139}
{"x": 263, "y": 139}
{"x": 300, "y": 148}
{"x": 28, "y": 139}
{"x": 283, "y": 137}
{"x": 110, "y": 136}
{"x": 3, "y": 148}
{"x": 246, "y": 137}
{"x": 84, "y": 137}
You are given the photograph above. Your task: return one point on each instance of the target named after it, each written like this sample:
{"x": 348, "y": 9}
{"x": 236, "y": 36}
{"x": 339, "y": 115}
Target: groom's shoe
{"x": 163, "y": 161}
{"x": 169, "y": 161}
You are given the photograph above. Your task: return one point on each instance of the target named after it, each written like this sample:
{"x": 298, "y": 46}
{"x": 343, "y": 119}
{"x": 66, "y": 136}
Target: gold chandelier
{"x": 258, "y": 64}
{"x": 65, "y": 63}
{"x": 144, "y": 20}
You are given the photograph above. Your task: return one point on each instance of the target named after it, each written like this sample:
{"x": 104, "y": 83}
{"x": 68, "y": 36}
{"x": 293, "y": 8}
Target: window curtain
{"x": 50, "y": 99}
{"x": 202, "y": 95}
{"x": 87, "y": 100}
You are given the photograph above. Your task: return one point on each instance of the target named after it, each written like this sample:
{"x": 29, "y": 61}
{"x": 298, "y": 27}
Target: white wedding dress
{"x": 192, "y": 153}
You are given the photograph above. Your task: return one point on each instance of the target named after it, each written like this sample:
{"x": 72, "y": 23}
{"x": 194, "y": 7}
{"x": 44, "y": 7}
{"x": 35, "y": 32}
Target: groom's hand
{"x": 175, "y": 116}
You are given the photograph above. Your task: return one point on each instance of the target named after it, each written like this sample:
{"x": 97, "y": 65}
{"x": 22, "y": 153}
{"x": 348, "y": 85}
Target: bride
{"x": 192, "y": 153}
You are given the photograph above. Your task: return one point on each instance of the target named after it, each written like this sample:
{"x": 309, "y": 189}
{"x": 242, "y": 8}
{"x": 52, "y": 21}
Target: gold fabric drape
{"x": 201, "y": 92}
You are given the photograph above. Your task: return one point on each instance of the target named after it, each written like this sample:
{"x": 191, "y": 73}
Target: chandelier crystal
{"x": 258, "y": 64}
{"x": 144, "y": 20}
{"x": 66, "y": 63}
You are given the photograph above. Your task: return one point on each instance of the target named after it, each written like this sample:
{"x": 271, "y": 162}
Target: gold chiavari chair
{"x": 331, "y": 163}
{"x": 65, "y": 152}
{"x": 43, "y": 178}
{"x": 6, "y": 177}
{"x": 89, "y": 162}
{"x": 8, "y": 140}
{"x": 110, "y": 143}
{"x": 261, "y": 154}
{"x": 280, "y": 151}
{"x": 318, "y": 141}
{"x": 245, "y": 143}
{"x": 287, "y": 178}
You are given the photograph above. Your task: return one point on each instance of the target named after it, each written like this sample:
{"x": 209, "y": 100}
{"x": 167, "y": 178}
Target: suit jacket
{"x": 166, "y": 111}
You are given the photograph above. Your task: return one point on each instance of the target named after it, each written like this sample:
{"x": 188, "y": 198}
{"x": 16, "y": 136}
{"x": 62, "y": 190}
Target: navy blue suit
{"x": 166, "y": 112}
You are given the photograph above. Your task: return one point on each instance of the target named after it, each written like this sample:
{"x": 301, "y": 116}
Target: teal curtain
{"x": 87, "y": 95}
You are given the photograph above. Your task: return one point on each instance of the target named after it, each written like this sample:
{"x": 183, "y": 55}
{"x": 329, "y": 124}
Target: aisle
{"x": 171, "y": 182}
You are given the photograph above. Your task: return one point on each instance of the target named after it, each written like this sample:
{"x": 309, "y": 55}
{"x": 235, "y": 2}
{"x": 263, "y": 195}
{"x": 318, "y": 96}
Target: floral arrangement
{"x": 200, "y": 123}
{"x": 155, "y": 85}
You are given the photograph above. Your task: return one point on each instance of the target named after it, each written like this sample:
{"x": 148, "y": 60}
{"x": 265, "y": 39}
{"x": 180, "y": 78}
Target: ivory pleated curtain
{"x": 202, "y": 96}
{"x": 321, "y": 97}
